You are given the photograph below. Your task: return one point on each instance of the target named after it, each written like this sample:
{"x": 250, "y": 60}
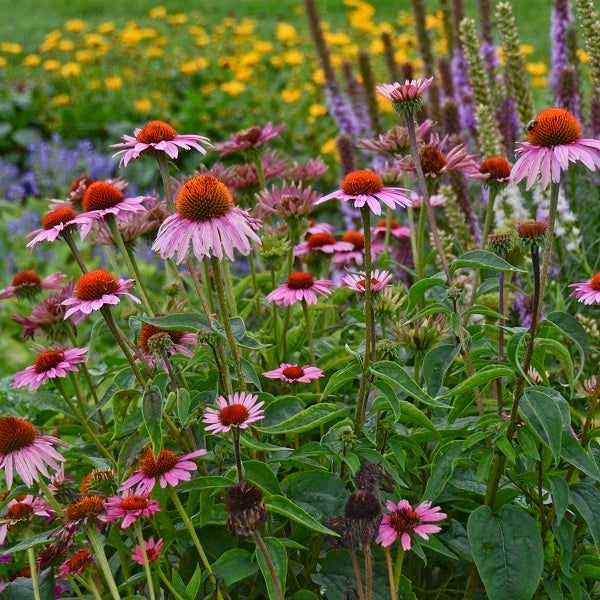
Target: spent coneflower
{"x": 245, "y": 508}
{"x": 587, "y": 292}
{"x": 47, "y": 365}
{"x": 298, "y": 287}
{"x": 158, "y": 136}
{"x": 130, "y": 507}
{"x": 207, "y": 221}
{"x": 97, "y": 289}
{"x": 77, "y": 564}
{"x": 152, "y": 551}
{"x": 28, "y": 284}
{"x": 531, "y": 232}
{"x": 554, "y": 140}
{"x": 380, "y": 279}
{"x": 294, "y": 373}
{"x": 287, "y": 201}
{"x": 250, "y": 139}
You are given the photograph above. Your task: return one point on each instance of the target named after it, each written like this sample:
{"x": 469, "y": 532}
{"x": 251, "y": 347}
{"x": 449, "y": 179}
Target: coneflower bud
{"x": 531, "y": 232}
{"x": 245, "y": 508}
{"x": 159, "y": 343}
{"x": 363, "y": 511}
{"x": 500, "y": 243}
{"x": 387, "y": 350}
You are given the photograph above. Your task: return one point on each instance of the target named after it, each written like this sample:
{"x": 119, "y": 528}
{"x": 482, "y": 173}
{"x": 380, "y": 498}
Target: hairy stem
{"x": 265, "y": 552}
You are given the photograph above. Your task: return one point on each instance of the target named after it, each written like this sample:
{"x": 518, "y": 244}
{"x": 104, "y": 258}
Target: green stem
{"x": 91, "y": 585}
{"x": 66, "y": 235}
{"x": 130, "y": 261}
{"x": 309, "y": 337}
{"x": 163, "y": 168}
{"x": 275, "y": 333}
{"x": 255, "y": 289}
{"x": 227, "y": 323}
{"x": 420, "y": 242}
{"x": 265, "y": 552}
{"x": 368, "y": 572}
{"x": 413, "y": 234}
{"x": 142, "y": 543}
{"x": 229, "y": 284}
{"x": 169, "y": 585}
{"x": 238, "y": 454}
{"x": 388, "y": 234}
{"x": 34, "y": 576}
{"x": 102, "y": 561}
{"x": 50, "y": 497}
{"x": 260, "y": 172}
{"x": 398, "y": 567}
{"x": 78, "y": 592}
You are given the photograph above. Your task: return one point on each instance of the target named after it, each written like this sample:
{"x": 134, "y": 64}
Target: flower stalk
{"x": 142, "y": 543}
{"x": 102, "y": 561}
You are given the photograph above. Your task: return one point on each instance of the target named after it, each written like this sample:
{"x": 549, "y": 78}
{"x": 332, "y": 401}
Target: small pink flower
{"x": 587, "y": 292}
{"x": 313, "y": 169}
{"x": 49, "y": 364}
{"x": 322, "y": 242}
{"x": 24, "y": 450}
{"x": 158, "y": 136}
{"x": 379, "y": 280}
{"x": 22, "y": 508}
{"x": 237, "y": 411}
{"x": 207, "y": 221}
{"x": 319, "y": 228}
{"x": 28, "y": 284}
{"x": 298, "y": 287}
{"x": 152, "y": 551}
{"x": 168, "y": 468}
{"x": 404, "y": 521}
{"x": 287, "y": 201}
{"x": 294, "y": 373}
{"x": 249, "y": 139}
{"x": 554, "y": 141}
{"x": 356, "y": 254}
{"x": 94, "y": 290}
{"x": 76, "y": 564}
{"x": 434, "y": 200}
{"x": 397, "y": 230}
{"x": 366, "y": 188}
{"x": 129, "y": 508}
{"x": 411, "y": 89}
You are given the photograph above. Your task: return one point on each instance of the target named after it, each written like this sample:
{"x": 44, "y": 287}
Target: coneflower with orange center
{"x": 322, "y": 242}
{"x": 28, "y": 284}
{"x": 130, "y": 508}
{"x": 298, "y": 287}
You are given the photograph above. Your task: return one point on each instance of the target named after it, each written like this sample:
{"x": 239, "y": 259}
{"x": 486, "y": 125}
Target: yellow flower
{"x": 158, "y": 12}
{"x": 433, "y": 21}
{"x": 406, "y": 19}
{"x": 95, "y": 84}
{"x": 262, "y": 46}
{"x": 66, "y": 45}
{"x": 289, "y": 95}
{"x": 401, "y": 57}
{"x": 539, "y": 82}
{"x": 51, "y": 64}
{"x": 202, "y": 40}
{"x": 113, "y": 83}
{"x": 93, "y": 39}
{"x": 143, "y": 105}
{"x": 537, "y": 69}
{"x": 250, "y": 58}
{"x": 244, "y": 74}
{"x": 583, "y": 56}
{"x": 337, "y": 39}
{"x": 384, "y": 104}
{"x": 317, "y": 110}
{"x": 209, "y": 87}
{"x": 154, "y": 52}
{"x": 75, "y": 25}
{"x": 11, "y": 48}
{"x": 84, "y": 56}
{"x": 336, "y": 60}
{"x": 32, "y": 60}
{"x": 3, "y": 62}
{"x": 276, "y": 61}
{"x": 245, "y": 28}
{"x": 286, "y": 33}
{"x": 377, "y": 46}
{"x": 71, "y": 69}
{"x": 48, "y": 45}
{"x": 526, "y": 49}
{"x": 293, "y": 57}
{"x": 178, "y": 19}
{"x": 233, "y": 88}
{"x": 318, "y": 77}
{"x": 197, "y": 30}
{"x": 106, "y": 27}
{"x": 191, "y": 66}
{"x": 329, "y": 147}
{"x": 62, "y": 99}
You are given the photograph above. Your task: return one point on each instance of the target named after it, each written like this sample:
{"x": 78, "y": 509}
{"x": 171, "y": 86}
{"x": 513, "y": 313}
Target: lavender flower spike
{"x": 562, "y": 18}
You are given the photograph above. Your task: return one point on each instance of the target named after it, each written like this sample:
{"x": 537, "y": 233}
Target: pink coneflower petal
{"x": 237, "y": 410}
{"x": 152, "y": 551}
{"x": 251, "y": 138}
{"x": 587, "y": 292}
{"x": 294, "y": 373}
{"x": 298, "y": 287}
{"x": 379, "y": 281}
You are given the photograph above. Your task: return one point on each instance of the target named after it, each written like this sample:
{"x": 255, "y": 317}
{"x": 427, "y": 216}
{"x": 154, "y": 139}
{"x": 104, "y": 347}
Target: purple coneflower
{"x": 298, "y": 287}
{"x": 249, "y": 139}
{"x": 587, "y": 292}
{"x": 397, "y": 230}
{"x": 76, "y": 564}
{"x": 405, "y": 97}
{"x": 554, "y": 140}
{"x": 237, "y": 411}
{"x": 404, "y": 521}
{"x": 322, "y": 242}
{"x": 158, "y": 136}
{"x": 130, "y": 507}
{"x": 495, "y": 172}
{"x": 28, "y": 284}
{"x": 294, "y": 373}
{"x": 152, "y": 551}
{"x": 315, "y": 227}
{"x": 24, "y": 450}
{"x": 94, "y": 290}
{"x": 379, "y": 281}
{"x": 179, "y": 338}
{"x": 356, "y": 254}
{"x": 365, "y": 187}
{"x": 53, "y": 225}
{"x": 20, "y": 509}
{"x": 287, "y": 201}
{"x": 49, "y": 364}
{"x": 207, "y": 221}
{"x": 168, "y": 468}
{"x": 313, "y": 169}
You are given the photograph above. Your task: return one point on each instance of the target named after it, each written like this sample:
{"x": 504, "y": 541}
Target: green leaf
{"x": 319, "y": 493}
{"x": 32, "y": 542}
{"x": 396, "y": 375}
{"x": 194, "y": 584}
{"x": 442, "y": 468}
{"x": 573, "y": 329}
{"x": 507, "y": 550}
{"x": 205, "y": 482}
{"x": 250, "y": 374}
{"x": 152, "y": 414}
{"x": 21, "y": 588}
{"x": 574, "y": 454}
{"x": 285, "y": 507}
{"x": 184, "y": 403}
{"x": 586, "y": 499}
{"x": 261, "y": 474}
{"x": 544, "y": 417}
{"x": 560, "y": 496}
{"x": 561, "y": 352}
{"x": 482, "y": 259}
{"x": 240, "y": 335}
{"x": 481, "y": 378}
{"x": 308, "y": 419}
{"x": 417, "y": 291}
{"x": 435, "y": 364}
{"x": 279, "y": 558}
{"x": 234, "y": 565}
{"x": 191, "y": 322}
{"x": 341, "y": 378}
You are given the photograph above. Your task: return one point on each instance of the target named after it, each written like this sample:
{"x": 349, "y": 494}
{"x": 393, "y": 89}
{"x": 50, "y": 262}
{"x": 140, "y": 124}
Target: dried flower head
{"x": 245, "y": 508}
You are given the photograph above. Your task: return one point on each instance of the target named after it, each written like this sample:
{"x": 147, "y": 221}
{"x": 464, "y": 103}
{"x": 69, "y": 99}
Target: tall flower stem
{"x": 398, "y": 566}
{"x": 420, "y": 242}
{"x": 226, "y": 322}
{"x": 50, "y": 497}
{"x": 363, "y": 391}
{"x": 169, "y": 585}
{"x": 66, "y": 235}
{"x": 163, "y": 168}
{"x": 265, "y": 552}
{"x": 229, "y": 284}
{"x": 275, "y": 332}
{"x": 142, "y": 543}
{"x": 118, "y": 336}
{"x": 255, "y": 288}
{"x": 235, "y": 432}
{"x": 34, "y": 575}
{"x": 309, "y": 337}
{"x": 390, "y": 568}
{"x": 357, "y": 575}
{"x": 102, "y": 561}
{"x": 130, "y": 261}
{"x": 501, "y": 276}
{"x": 369, "y": 572}
{"x": 91, "y": 585}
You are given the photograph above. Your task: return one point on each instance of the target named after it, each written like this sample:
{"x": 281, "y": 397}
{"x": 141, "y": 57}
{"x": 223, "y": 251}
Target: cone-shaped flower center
{"x": 81, "y": 182}
{"x": 58, "y": 216}
{"x": 47, "y": 360}
{"x": 250, "y": 135}
{"x": 93, "y": 285}
{"x": 300, "y": 281}
{"x": 498, "y": 168}
{"x": 203, "y": 198}
{"x": 235, "y": 414}
{"x": 404, "y": 520}
{"x": 101, "y": 195}
{"x": 156, "y": 131}
{"x": 134, "y": 503}
{"x": 80, "y": 559}
{"x": 595, "y": 282}
{"x": 318, "y": 240}
{"x": 163, "y": 464}
{"x": 15, "y": 433}
{"x": 393, "y": 224}
{"x": 355, "y": 238}
{"x": 362, "y": 282}
{"x": 532, "y": 230}
{"x": 19, "y": 510}
{"x": 553, "y": 127}
{"x": 27, "y": 279}
{"x": 361, "y": 183}
{"x": 242, "y": 496}
{"x": 432, "y": 160}
{"x": 293, "y": 372}
{"x": 95, "y": 476}
{"x": 84, "y": 507}
{"x": 150, "y": 330}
